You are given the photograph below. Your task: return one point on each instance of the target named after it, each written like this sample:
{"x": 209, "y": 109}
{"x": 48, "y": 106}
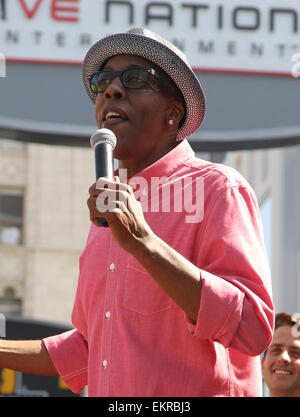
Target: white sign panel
{"x": 217, "y": 35}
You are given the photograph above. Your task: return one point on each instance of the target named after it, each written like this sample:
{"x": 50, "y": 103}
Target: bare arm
{"x": 29, "y": 356}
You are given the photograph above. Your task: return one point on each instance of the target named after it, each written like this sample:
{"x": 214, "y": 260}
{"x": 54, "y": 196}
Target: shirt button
{"x": 108, "y": 314}
{"x": 112, "y": 266}
{"x": 104, "y": 363}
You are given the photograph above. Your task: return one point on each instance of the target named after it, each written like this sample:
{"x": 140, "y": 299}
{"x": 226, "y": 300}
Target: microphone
{"x": 103, "y": 142}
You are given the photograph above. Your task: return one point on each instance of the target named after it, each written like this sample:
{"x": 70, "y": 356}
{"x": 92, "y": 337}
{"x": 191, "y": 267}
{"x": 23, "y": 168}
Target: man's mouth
{"x": 282, "y": 372}
{"x": 112, "y": 115}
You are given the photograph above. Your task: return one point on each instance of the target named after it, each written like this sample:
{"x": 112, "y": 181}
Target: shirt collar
{"x": 166, "y": 165}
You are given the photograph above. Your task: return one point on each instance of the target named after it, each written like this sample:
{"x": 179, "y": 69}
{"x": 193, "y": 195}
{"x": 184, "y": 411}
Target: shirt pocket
{"x": 141, "y": 293}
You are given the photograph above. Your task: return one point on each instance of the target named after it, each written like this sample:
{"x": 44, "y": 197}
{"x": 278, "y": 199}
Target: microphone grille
{"x": 103, "y": 136}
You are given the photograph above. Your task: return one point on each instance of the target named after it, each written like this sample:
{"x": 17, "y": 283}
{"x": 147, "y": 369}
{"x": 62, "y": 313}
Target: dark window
{"x": 11, "y": 217}
{"x": 9, "y": 303}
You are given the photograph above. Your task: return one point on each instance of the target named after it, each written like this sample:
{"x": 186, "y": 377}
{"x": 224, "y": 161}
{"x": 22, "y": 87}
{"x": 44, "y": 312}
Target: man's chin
{"x": 281, "y": 387}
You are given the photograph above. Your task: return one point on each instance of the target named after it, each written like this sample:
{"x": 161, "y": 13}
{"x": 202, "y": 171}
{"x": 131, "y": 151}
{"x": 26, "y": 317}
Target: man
{"x": 169, "y": 302}
{"x": 281, "y": 361}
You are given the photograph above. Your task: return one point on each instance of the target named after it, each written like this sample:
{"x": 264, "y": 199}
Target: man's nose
{"x": 284, "y": 356}
{"x": 115, "y": 89}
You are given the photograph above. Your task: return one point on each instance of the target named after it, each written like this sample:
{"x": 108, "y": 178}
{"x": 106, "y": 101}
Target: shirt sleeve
{"x": 236, "y": 307}
{"x": 69, "y": 354}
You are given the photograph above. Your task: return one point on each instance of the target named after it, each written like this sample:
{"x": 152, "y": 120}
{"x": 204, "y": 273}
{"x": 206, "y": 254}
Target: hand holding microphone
{"x": 103, "y": 142}
{"x": 128, "y": 225}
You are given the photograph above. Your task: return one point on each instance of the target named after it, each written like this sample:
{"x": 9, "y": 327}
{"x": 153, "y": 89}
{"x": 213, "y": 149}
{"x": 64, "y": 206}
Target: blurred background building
{"x": 44, "y": 222}
{"x": 275, "y": 177}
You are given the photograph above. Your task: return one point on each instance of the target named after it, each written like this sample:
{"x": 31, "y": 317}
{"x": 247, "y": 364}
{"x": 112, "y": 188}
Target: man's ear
{"x": 176, "y": 112}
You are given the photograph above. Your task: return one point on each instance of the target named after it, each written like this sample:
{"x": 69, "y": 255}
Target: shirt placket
{"x": 108, "y": 313}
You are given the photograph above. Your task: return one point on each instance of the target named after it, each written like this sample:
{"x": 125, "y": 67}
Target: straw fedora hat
{"x": 148, "y": 45}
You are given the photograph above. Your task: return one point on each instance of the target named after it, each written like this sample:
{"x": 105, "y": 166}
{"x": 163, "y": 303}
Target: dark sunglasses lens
{"x": 100, "y": 81}
{"x": 104, "y": 79}
{"x": 94, "y": 83}
{"x": 135, "y": 78}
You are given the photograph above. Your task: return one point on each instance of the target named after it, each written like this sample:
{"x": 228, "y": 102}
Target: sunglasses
{"x": 131, "y": 78}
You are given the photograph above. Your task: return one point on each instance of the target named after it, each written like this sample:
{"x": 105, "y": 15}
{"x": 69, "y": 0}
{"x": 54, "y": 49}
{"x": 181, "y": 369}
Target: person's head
{"x": 281, "y": 361}
{"x": 144, "y": 90}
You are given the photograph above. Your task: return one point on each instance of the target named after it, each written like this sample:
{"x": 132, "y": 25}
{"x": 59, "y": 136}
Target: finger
{"x": 103, "y": 182}
{"x": 110, "y": 199}
{"x": 92, "y": 188}
{"x": 91, "y": 202}
{"x": 95, "y": 214}
{"x": 130, "y": 190}
{"x": 100, "y": 185}
{"x": 97, "y": 187}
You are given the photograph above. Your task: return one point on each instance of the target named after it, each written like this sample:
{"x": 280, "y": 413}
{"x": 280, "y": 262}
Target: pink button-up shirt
{"x": 130, "y": 338}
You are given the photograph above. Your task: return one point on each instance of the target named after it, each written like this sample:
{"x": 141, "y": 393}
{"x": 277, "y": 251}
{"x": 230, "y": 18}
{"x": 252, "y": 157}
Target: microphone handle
{"x": 104, "y": 168}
